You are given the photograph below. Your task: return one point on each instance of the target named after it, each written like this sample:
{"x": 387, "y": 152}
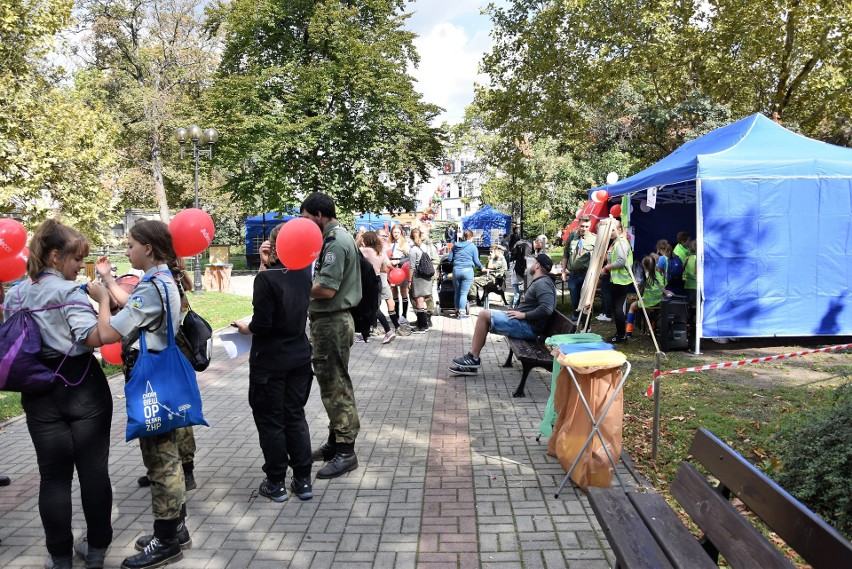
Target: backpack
{"x": 424, "y": 268}
{"x": 364, "y": 314}
{"x": 194, "y": 336}
{"x": 21, "y": 368}
{"x": 675, "y": 268}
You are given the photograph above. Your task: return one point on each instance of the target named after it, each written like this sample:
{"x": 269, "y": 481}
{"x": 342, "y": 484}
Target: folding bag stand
{"x": 596, "y": 424}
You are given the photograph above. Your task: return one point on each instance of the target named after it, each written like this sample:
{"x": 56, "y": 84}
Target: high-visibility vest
{"x": 620, "y": 276}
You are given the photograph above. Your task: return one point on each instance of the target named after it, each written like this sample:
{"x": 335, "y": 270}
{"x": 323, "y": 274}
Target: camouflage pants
{"x": 161, "y": 457}
{"x": 186, "y": 444}
{"x": 332, "y": 337}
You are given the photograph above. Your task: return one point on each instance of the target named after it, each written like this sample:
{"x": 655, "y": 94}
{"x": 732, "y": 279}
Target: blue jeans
{"x": 516, "y": 299}
{"x": 575, "y": 288}
{"x": 512, "y": 327}
{"x": 462, "y": 281}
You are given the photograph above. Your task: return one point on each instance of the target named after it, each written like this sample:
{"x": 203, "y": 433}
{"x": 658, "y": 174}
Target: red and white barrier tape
{"x": 657, "y": 373}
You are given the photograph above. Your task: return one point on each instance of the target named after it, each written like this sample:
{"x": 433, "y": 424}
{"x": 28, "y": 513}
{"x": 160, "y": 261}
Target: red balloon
{"x": 192, "y": 232}
{"x": 615, "y": 210}
{"x": 396, "y": 276}
{"x": 600, "y": 196}
{"x": 13, "y": 237}
{"x": 406, "y": 266}
{"x": 111, "y": 353}
{"x": 14, "y": 268}
{"x": 299, "y": 243}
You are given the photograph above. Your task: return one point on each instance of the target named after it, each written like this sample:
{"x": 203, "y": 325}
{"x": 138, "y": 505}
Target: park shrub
{"x": 816, "y": 459}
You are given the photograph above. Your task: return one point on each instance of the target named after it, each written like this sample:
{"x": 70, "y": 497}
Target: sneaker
{"x": 461, "y": 370}
{"x": 618, "y": 339}
{"x": 58, "y": 562}
{"x": 93, "y": 556}
{"x": 403, "y": 320}
{"x": 388, "y": 337}
{"x": 156, "y": 554}
{"x": 273, "y": 490}
{"x": 358, "y": 338}
{"x": 721, "y": 340}
{"x": 463, "y": 315}
{"x": 339, "y": 465}
{"x": 419, "y": 331}
{"x": 603, "y": 318}
{"x": 301, "y": 487}
{"x": 183, "y": 538}
{"x": 467, "y": 360}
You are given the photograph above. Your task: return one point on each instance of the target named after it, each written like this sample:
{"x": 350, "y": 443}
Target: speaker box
{"x": 673, "y": 324}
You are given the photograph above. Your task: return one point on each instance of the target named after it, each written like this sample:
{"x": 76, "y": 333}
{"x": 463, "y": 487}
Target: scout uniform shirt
{"x": 337, "y": 268}
{"x": 145, "y": 308}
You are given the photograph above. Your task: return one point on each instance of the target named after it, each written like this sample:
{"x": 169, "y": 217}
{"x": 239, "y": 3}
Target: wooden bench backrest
{"x": 558, "y": 323}
{"x": 817, "y": 542}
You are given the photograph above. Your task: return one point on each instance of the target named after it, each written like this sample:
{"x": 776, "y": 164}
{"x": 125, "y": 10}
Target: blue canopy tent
{"x": 258, "y": 228}
{"x": 372, "y": 222}
{"x": 486, "y": 219}
{"x": 772, "y": 214}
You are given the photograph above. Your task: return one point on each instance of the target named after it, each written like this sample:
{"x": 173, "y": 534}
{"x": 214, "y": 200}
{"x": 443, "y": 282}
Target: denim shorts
{"x": 511, "y": 327}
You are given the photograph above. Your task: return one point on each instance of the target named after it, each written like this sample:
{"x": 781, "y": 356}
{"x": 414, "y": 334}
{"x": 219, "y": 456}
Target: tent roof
{"x": 751, "y": 147}
{"x": 486, "y": 213}
{"x": 270, "y": 217}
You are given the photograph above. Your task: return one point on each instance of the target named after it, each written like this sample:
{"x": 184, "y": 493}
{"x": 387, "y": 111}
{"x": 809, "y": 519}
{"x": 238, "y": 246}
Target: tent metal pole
{"x": 699, "y": 267}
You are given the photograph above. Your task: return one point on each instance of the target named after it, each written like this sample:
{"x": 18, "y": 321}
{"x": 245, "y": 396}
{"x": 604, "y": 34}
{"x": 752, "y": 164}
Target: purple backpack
{"x": 21, "y": 368}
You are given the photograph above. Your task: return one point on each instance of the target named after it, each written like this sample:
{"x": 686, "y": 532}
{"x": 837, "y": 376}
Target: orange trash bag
{"x": 598, "y": 378}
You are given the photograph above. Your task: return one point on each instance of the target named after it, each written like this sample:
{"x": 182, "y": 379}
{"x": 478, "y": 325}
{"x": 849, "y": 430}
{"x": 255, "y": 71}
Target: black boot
{"x": 428, "y": 319}
{"x": 188, "y": 476}
{"x": 327, "y": 451}
{"x": 344, "y": 461}
{"x": 421, "y": 321}
{"x": 161, "y": 550}
{"x": 183, "y": 537}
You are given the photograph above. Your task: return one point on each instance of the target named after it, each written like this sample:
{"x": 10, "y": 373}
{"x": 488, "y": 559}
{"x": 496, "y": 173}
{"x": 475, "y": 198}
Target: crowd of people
{"x": 70, "y": 426}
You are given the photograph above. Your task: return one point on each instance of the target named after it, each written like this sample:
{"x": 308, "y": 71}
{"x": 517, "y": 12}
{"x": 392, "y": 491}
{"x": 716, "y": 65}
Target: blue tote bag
{"x": 162, "y": 394}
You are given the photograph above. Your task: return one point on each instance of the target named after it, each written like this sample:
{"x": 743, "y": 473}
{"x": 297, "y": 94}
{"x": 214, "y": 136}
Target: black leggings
{"x": 70, "y": 428}
{"x": 619, "y": 295}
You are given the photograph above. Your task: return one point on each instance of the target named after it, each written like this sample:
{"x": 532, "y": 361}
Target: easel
{"x": 596, "y": 263}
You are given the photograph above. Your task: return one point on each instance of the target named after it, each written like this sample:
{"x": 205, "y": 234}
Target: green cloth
{"x": 337, "y": 268}
{"x": 587, "y": 338}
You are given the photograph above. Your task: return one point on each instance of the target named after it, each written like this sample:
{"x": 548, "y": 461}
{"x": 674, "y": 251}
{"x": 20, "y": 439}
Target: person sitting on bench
{"x": 525, "y": 323}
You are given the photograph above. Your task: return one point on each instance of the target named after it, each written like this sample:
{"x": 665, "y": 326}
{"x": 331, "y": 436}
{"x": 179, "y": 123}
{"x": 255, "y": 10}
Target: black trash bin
{"x": 673, "y": 324}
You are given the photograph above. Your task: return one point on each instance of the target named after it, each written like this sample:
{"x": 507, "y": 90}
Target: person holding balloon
{"x": 336, "y": 289}
{"x": 69, "y": 425}
{"x": 150, "y": 248}
{"x": 397, "y": 252}
{"x": 112, "y": 353}
{"x": 280, "y": 374}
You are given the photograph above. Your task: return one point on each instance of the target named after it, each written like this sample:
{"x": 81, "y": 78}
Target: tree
{"x": 553, "y": 62}
{"x": 55, "y": 146}
{"x": 149, "y": 59}
{"x": 317, "y": 95}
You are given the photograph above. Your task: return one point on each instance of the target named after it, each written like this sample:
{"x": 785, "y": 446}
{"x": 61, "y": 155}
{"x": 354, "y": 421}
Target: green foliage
{"x": 55, "y": 146}
{"x": 553, "y": 62}
{"x": 816, "y": 457}
{"x": 316, "y": 96}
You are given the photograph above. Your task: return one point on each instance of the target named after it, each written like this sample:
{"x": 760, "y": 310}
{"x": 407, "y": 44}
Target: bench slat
{"x": 679, "y": 545}
{"x": 737, "y": 540}
{"x": 817, "y": 542}
{"x": 632, "y": 543}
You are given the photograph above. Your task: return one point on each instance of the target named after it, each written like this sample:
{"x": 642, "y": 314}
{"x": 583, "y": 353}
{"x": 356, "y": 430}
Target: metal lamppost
{"x": 202, "y": 144}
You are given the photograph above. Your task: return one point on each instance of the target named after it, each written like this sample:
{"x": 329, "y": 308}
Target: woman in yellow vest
{"x": 619, "y": 256}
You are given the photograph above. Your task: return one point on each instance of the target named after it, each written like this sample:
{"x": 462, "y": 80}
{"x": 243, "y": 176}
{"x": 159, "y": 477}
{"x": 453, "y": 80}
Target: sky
{"x": 452, "y": 37}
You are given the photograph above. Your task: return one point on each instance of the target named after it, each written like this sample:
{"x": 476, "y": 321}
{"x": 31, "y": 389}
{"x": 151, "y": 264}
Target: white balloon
{"x": 611, "y": 178}
{"x": 643, "y": 205}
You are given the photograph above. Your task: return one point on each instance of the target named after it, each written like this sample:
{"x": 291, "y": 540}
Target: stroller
{"x": 446, "y": 289}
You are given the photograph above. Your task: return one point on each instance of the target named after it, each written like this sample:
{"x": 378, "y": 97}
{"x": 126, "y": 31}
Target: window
{"x": 459, "y": 210}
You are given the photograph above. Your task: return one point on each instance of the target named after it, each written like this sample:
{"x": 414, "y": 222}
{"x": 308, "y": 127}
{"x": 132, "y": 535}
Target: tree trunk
{"x": 159, "y": 188}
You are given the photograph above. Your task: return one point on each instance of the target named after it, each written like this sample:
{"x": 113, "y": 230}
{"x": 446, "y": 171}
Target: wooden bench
{"x": 644, "y": 531}
{"x": 533, "y": 353}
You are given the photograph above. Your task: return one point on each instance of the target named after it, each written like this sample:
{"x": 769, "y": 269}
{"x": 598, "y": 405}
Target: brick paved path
{"x": 450, "y": 475}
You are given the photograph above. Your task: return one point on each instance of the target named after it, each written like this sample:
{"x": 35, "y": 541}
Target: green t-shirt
{"x": 337, "y": 268}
